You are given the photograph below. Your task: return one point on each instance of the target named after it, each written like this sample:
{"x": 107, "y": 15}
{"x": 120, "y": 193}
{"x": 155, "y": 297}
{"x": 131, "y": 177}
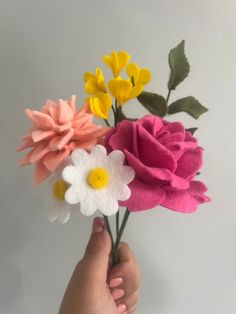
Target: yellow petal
{"x": 116, "y": 61}
{"x": 144, "y": 76}
{"x": 88, "y": 76}
{"x": 120, "y": 89}
{"x": 91, "y": 87}
{"x": 136, "y": 90}
{"x": 100, "y": 105}
{"x": 132, "y": 70}
{"x": 100, "y": 80}
{"x": 123, "y": 59}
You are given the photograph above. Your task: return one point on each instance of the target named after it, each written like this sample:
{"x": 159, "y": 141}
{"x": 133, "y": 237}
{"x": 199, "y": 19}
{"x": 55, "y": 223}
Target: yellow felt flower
{"x": 100, "y": 105}
{"x": 94, "y": 83}
{"x": 117, "y": 61}
{"x": 123, "y": 90}
{"x": 138, "y": 75}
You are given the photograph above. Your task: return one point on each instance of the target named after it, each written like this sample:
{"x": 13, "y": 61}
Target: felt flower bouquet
{"x": 137, "y": 163}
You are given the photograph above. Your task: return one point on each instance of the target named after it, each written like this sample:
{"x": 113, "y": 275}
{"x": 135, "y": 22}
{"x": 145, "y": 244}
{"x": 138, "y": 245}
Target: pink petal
{"x": 65, "y": 113}
{"x": 143, "y": 196}
{"x": 40, "y": 135}
{"x": 189, "y": 163}
{"x": 25, "y": 160}
{"x": 152, "y": 124}
{"x": 72, "y": 103}
{"x": 41, "y": 173}
{"x": 38, "y": 152}
{"x": 42, "y": 120}
{"x": 148, "y": 175}
{"x": 179, "y": 148}
{"x": 186, "y": 201}
{"x": 54, "y": 159}
{"x": 27, "y": 143}
{"x": 152, "y": 153}
{"x": 86, "y": 145}
{"x": 177, "y": 183}
{"x": 58, "y": 142}
{"x": 62, "y": 128}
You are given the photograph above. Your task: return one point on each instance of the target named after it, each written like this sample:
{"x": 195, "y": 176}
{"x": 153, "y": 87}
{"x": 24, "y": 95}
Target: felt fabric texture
{"x": 58, "y": 210}
{"x": 57, "y": 130}
{"x": 165, "y": 158}
{"x": 90, "y": 199}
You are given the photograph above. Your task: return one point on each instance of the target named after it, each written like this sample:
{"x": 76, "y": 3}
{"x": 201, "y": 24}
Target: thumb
{"x": 96, "y": 257}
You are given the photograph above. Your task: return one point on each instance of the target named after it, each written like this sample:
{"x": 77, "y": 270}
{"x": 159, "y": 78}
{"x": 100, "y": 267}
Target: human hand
{"x": 95, "y": 288}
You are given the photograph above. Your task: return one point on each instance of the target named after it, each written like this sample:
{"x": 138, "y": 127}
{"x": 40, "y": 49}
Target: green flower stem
{"x": 108, "y": 227}
{"x": 122, "y": 228}
{"x": 115, "y": 258}
{"x": 168, "y": 96}
{"x": 107, "y": 123}
{"x": 117, "y": 222}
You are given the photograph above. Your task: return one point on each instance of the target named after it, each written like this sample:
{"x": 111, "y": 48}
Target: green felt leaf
{"x": 192, "y": 130}
{"x": 189, "y": 105}
{"x": 179, "y": 66}
{"x": 154, "y": 103}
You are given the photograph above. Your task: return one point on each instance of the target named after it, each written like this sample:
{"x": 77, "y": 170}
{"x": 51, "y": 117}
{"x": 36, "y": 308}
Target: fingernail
{"x": 121, "y": 308}
{"x": 115, "y": 282}
{"x": 117, "y": 294}
{"x": 98, "y": 225}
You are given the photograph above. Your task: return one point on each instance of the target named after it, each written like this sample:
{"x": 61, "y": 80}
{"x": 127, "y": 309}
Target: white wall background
{"x": 187, "y": 261}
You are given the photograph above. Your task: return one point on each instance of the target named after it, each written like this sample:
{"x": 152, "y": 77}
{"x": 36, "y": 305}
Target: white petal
{"x": 64, "y": 215}
{"x": 99, "y": 153}
{"x": 72, "y": 196}
{"x": 70, "y": 173}
{"x": 52, "y": 214}
{"x": 116, "y": 157}
{"x": 88, "y": 207}
{"x": 108, "y": 206}
{"x": 127, "y": 174}
{"x": 119, "y": 191}
{"x": 79, "y": 157}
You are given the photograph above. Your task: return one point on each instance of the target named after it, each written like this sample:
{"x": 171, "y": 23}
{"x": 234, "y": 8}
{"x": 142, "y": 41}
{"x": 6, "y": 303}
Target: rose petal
{"x": 148, "y": 175}
{"x": 152, "y": 124}
{"x": 189, "y": 163}
{"x": 143, "y": 196}
{"x": 186, "y": 201}
{"x": 152, "y": 153}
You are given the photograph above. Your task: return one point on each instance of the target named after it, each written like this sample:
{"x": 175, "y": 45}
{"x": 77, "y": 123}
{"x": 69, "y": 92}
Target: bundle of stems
{"x": 119, "y": 232}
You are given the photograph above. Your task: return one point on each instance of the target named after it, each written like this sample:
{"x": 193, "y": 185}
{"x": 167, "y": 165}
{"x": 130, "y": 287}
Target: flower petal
{"x": 189, "y": 163}
{"x": 143, "y": 196}
{"x": 41, "y": 173}
{"x": 54, "y": 159}
{"x": 186, "y": 201}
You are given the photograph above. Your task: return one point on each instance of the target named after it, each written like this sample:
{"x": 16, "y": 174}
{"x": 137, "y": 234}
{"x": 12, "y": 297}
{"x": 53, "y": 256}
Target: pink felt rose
{"x": 57, "y": 130}
{"x": 166, "y": 158}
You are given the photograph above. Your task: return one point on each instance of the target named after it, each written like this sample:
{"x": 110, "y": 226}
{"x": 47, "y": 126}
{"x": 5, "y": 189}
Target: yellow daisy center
{"x": 59, "y": 189}
{"x": 98, "y": 178}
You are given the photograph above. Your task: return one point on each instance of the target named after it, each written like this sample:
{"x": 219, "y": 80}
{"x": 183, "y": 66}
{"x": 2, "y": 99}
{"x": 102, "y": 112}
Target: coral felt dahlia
{"x": 57, "y": 130}
{"x": 98, "y": 180}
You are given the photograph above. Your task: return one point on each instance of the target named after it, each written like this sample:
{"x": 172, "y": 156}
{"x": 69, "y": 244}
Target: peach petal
{"x": 54, "y": 159}
{"x": 65, "y": 113}
{"x": 41, "y": 173}
{"x": 40, "y": 135}
{"x": 41, "y": 120}
{"x": 38, "y": 152}
{"x": 58, "y": 142}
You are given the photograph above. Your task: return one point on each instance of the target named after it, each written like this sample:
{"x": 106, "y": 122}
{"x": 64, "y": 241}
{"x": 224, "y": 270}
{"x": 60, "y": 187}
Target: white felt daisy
{"x": 57, "y": 208}
{"x": 98, "y": 180}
